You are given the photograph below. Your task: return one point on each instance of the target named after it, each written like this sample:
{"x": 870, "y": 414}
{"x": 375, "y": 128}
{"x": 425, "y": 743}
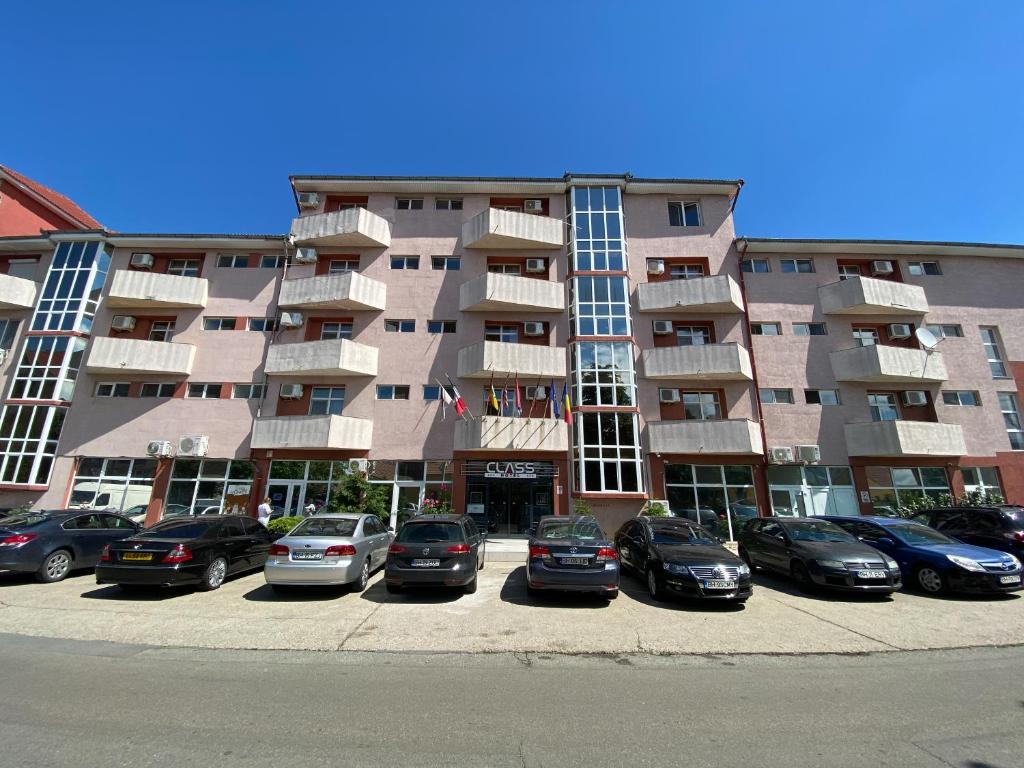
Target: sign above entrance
{"x": 512, "y": 470}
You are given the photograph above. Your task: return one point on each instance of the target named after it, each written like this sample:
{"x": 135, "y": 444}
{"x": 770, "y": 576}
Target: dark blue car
{"x": 933, "y": 561}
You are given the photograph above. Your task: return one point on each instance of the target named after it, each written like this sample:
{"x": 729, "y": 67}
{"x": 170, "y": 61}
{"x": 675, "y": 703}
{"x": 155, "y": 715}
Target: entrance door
{"x": 788, "y": 502}
{"x": 405, "y": 504}
{"x": 519, "y": 507}
{"x": 285, "y": 497}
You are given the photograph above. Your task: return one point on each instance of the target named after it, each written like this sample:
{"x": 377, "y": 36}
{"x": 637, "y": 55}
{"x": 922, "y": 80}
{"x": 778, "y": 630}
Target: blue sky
{"x": 890, "y": 120}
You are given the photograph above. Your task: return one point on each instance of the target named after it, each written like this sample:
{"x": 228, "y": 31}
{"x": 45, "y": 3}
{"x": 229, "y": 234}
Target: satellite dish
{"x": 928, "y": 339}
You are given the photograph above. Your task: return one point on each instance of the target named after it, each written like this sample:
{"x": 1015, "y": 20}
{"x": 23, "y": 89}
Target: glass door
{"x": 788, "y": 502}
{"x": 285, "y": 498}
{"x": 405, "y": 503}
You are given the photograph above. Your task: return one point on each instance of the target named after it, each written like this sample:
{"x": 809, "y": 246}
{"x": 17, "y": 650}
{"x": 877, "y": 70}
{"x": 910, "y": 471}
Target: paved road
{"x": 74, "y": 703}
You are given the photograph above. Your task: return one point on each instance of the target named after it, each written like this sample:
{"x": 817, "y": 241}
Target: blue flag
{"x": 554, "y": 400}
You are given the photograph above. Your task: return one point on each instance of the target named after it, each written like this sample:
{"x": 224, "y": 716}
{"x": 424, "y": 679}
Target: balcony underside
{"x": 495, "y": 228}
{"x": 349, "y": 290}
{"x": 879, "y": 364}
{"x": 355, "y": 227}
{"x": 704, "y": 295}
{"x": 509, "y": 293}
{"x": 905, "y": 438}
{"x": 869, "y": 296}
{"x": 113, "y": 356}
{"x": 494, "y": 358}
{"x": 310, "y": 432}
{"x": 329, "y": 357}
{"x": 135, "y": 289}
{"x": 727, "y": 436}
{"x": 700, "y": 362}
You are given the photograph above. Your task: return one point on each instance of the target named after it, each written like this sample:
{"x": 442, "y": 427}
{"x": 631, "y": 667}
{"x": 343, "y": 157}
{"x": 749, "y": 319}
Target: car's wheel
{"x": 800, "y": 575}
{"x": 55, "y": 567}
{"x": 470, "y": 588}
{"x": 214, "y": 574}
{"x": 393, "y": 589}
{"x": 930, "y": 580}
{"x": 364, "y": 577}
{"x": 745, "y": 557}
{"x": 653, "y": 585}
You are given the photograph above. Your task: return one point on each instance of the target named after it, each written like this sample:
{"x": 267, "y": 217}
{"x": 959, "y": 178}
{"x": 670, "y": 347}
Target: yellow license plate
{"x": 136, "y": 556}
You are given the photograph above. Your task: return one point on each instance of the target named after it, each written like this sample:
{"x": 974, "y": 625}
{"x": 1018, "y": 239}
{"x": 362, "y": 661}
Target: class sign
{"x": 511, "y": 469}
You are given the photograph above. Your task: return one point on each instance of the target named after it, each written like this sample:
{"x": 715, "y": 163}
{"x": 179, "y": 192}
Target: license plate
{"x": 720, "y": 584}
{"x": 1009, "y": 579}
{"x": 426, "y": 563}
{"x": 307, "y": 555}
{"x": 574, "y": 560}
{"x": 870, "y": 574}
{"x": 136, "y": 556}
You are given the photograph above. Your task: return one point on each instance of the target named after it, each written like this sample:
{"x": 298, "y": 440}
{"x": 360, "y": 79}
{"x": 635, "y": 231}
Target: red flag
{"x": 519, "y": 399}
{"x": 566, "y": 405}
{"x": 460, "y": 403}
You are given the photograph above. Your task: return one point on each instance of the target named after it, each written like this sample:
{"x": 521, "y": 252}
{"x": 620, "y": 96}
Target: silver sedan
{"x": 329, "y": 549}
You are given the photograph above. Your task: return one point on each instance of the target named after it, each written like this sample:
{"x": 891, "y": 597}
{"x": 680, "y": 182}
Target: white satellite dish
{"x": 928, "y": 339}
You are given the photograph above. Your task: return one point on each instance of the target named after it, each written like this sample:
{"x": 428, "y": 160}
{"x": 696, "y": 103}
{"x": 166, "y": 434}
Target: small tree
{"x": 580, "y": 507}
{"x": 356, "y": 494}
{"x": 654, "y": 509}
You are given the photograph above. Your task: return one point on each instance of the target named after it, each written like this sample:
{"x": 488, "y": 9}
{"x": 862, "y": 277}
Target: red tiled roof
{"x": 62, "y": 203}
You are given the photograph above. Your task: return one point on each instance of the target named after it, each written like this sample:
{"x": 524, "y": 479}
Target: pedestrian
{"x": 310, "y": 509}
{"x": 264, "y": 511}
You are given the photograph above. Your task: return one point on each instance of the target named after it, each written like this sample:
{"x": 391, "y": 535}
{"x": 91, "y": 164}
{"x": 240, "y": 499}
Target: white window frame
{"x": 805, "y": 329}
{"x": 247, "y": 391}
{"x": 920, "y": 268}
{"x": 207, "y": 388}
{"x": 185, "y": 267}
{"x": 341, "y": 266}
{"x": 400, "y": 325}
{"x": 505, "y": 269}
{"x": 447, "y": 263}
{"x": 408, "y": 203}
{"x": 685, "y": 271}
{"x": 849, "y": 271}
{"x": 757, "y": 329}
{"x": 796, "y": 266}
{"x": 880, "y": 404}
{"x": 708, "y": 403}
{"x": 946, "y": 330}
{"x": 506, "y": 333}
{"x": 405, "y": 262}
{"x": 161, "y": 330}
{"x": 233, "y": 261}
{"x": 161, "y": 388}
{"x": 336, "y": 330}
{"x": 756, "y": 266}
{"x": 323, "y": 398}
{"x": 684, "y": 206}
{"x": 1010, "y": 408}
{"x": 392, "y": 391}
{"x": 219, "y": 323}
{"x": 834, "y": 393}
{"x": 772, "y": 395}
{"x": 269, "y": 324}
{"x": 959, "y": 396}
{"x": 441, "y": 326}
{"x": 110, "y": 388}
{"x": 699, "y": 335}
{"x": 862, "y": 335}
{"x": 993, "y": 346}
{"x": 447, "y": 203}
{"x": 277, "y": 261}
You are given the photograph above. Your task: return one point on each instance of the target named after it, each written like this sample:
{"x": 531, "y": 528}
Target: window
{"x": 405, "y": 262}
{"x": 981, "y": 480}
{"x": 692, "y": 335}
{"x": 686, "y": 271}
{"x": 946, "y": 331}
{"x": 198, "y": 485}
{"x": 409, "y": 203}
{"x": 508, "y": 334}
{"x": 993, "y": 351}
{"x": 400, "y": 326}
{"x": 184, "y": 267}
{"x": 247, "y": 391}
{"x": 505, "y": 269}
{"x": 506, "y": 402}
{"x": 965, "y": 398}
{"x": 703, "y": 406}
{"x": 114, "y": 484}
{"x": 918, "y": 268}
{"x": 161, "y": 330}
{"x": 232, "y": 261}
{"x": 766, "y": 329}
{"x": 8, "y": 330}
{"x": 450, "y": 263}
{"x": 599, "y": 306}
{"x": 338, "y": 266}
{"x": 755, "y": 265}
{"x": 604, "y": 371}
{"x": 165, "y": 389}
{"x": 272, "y": 261}
{"x": 607, "y": 458}
{"x": 219, "y": 323}
{"x": 433, "y": 392}
{"x": 596, "y": 241}
{"x": 777, "y": 396}
{"x": 440, "y": 326}
{"x": 892, "y": 487}
{"x": 721, "y": 498}
{"x": 796, "y": 265}
{"x": 821, "y": 396}
{"x": 47, "y": 370}
{"x": 204, "y": 391}
{"x": 865, "y": 337}
{"x": 392, "y": 392}
{"x": 27, "y": 269}
{"x": 684, "y": 214}
{"x": 326, "y": 400}
{"x": 847, "y": 271}
{"x": 263, "y": 324}
{"x": 810, "y": 329}
{"x": 339, "y": 330}
{"x": 883, "y": 407}
{"x": 1011, "y": 416}
{"x": 112, "y": 389}
{"x": 70, "y": 293}
{"x": 448, "y": 204}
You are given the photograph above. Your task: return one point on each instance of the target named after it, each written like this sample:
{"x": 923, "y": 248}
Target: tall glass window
{"x": 28, "y": 442}
{"x": 893, "y": 487}
{"x": 605, "y": 373}
{"x": 72, "y": 288}
{"x": 204, "y": 486}
{"x": 721, "y": 498}
{"x": 48, "y": 368}
{"x": 597, "y": 240}
{"x": 607, "y": 452}
{"x": 599, "y": 306}
{"x": 993, "y": 352}
{"x": 117, "y": 484}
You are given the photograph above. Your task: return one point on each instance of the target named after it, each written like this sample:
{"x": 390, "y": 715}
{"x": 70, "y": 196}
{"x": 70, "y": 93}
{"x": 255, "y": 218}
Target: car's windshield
{"x": 816, "y": 530}
{"x": 587, "y": 530}
{"x": 915, "y": 533}
{"x": 325, "y": 526}
{"x": 682, "y": 534}
{"x": 429, "y": 533}
{"x": 176, "y": 529}
{"x": 23, "y": 520}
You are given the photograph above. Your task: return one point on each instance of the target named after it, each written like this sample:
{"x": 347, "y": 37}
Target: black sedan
{"x": 572, "y": 554}
{"x": 817, "y": 553}
{"x": 677, "y": 557}
{"x": 201, "y": 551}
{"x": 52, "y": 543}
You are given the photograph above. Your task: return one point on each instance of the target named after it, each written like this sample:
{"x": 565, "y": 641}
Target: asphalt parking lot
{"x": 246, "y": 614}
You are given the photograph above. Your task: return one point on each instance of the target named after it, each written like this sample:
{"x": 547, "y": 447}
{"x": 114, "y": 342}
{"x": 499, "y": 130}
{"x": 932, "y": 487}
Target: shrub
{"x": 283, "y": 525}
{"x": 356, "y": 494}
{"x": 654, "y": 509}
{"x": 580, "y": 507}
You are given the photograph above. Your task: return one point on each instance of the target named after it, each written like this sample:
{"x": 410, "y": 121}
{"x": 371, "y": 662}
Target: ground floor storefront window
{"x": 509, "y": 497}
{"x": 209, "y": 486}
{"x": 893, "y": 487}
{"x": 415, "y": 486}
{"x": 719, "y": 497}
{"x": 984, "y": 480}
{"x": 812, "y": 490}
{"x": 118, "y": 484}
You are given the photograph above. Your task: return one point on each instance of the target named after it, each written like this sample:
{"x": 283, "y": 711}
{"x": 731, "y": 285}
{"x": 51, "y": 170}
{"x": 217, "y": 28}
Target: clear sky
{"x": 858, "y": 119}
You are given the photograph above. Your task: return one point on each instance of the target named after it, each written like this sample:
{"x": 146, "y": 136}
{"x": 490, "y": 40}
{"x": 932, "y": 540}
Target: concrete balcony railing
{"x": 354, "y": 227}
{"x": 737, "y": 436}
{"x": 17, "y": 292}
{"x": 510, "y": 293}
{"x": 114, "y": 356}
{"x": 501, "y": 433}
{"x": 879, "y": 363}
{"x": 132, "y": 288}
{"x": 487, "y": 358}
{"x": 349, "y": 290}
{"x": 868, "y": 296}
{"x": 327, "y": 432}
{"x": 716, "y": 294}
{"x": 329, "y": 357}
{"x": 495, "y": 228}
{"x": 701, "y": 362}
{"x": 905, "y": 438}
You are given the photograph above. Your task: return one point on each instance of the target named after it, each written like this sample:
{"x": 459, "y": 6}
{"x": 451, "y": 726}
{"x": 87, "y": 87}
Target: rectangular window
{"x": 994, "y": 353}
{"x": 606, "y": 452}
{"x": 604, "y": 373}
{"x": 755, "y": 265}
{"x": 982, "y": 480}
{"x": 204, "y": 391}
{"x": 959, "y": 397}
{"x": 692, "y": 335}
{"x": 392, "y": 392}
{"x": 821, "y": 396}
{"x": 865, "y": 337}
{"x": 946, "y": 331}
{"x": 766, "y": 329}
{"x": 232, "y": 261}
{"x": 686, "y": 271}
{"x": 893, "y": 487}
{"x": 272, "y": 261}
{"x": 339, "y": 266}
{"x": 165, "y": 389}
{"x": 721, "y": 498}
{"x": 703, "y": 406}
{"x": 198, "y": 486}
{"x": 447, "y": 203}
{"x": 847, "y": 271}
{"x": 405, "y": 262}
{"x": 508, "y": 334}
{"x": 440, "y": 326}
{"x": 409, "y": 203}
{"x": 450, "y": 263}
{"x": 777, "y": 396}
{"x": 505, "y": 269}
{"x": 184, "y": 267}
{"x": 219, "y": 323}
{"x": 247, "y": 391}
{"x": 112, "y": 484}
{"x": 112, "y": 389}
{"x": 883, "y": 407}
{"x": 1011, "y": 416}
{"x": 8, "y": 330}
{"x": 400, "y": 326}
{"x": 433, "y": 392}
{"x": 810, "y": 329}
{"x": 918, "y": 268}
{"x": 599, "y": 306}
{"x": 263, "y": 324}
{"x": 339, "y": 330}
{"x": 683, "y": 214}
{"x": 796, "y": 265}
{"x": 161, "y": 330}
{"x": 325, "y": 401}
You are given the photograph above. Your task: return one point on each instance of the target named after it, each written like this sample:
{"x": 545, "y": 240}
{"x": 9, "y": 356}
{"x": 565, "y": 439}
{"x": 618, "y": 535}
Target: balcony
{"x": 131, "y": 289}
{"x": 326, "y": 432}
{"x": 329, "y": 357}
{"x": 495, "y": 228}
{"x": 349, "y": 290}
{"x": 17, "y": 292}
{"x": 713, "y": 295}
{"x": 501, "y": 433}
{"x": 883, "y": 364}
{"x": 701, "y": 362}
{"x": 905, "y": 438}
{"x": 868, "y": 296}
{"x": 114, "y": 356}
{"x": 733, "y": 436}
{"x": 353, "y": 227}
{"x": 509, "y": 293}
{"x": 487, "y": 358}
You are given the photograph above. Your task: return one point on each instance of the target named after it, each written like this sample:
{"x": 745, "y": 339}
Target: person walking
{"x": 264, "y": 511}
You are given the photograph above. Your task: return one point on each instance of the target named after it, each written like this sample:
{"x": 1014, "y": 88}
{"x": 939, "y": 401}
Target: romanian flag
{"x": 566, "y": 405}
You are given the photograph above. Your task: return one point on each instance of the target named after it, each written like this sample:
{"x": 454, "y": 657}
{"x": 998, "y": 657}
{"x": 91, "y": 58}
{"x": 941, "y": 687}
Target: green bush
{"x": 355, "y": 494}
{"x": 654, "y": 509}
{"x": 283, "y": 525}
{"x": 580, "y": 507}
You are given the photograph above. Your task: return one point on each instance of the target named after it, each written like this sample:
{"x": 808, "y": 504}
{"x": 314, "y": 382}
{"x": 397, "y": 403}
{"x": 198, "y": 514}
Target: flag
{"x": 446, "y": 399}
{"x": 460, "y": 403}
{"x": 492, "y": 399}
{"x": 554, "y": 401}
{"x": 519, "y": 400}
{"x": 504, "y": 401}
{"x": 566, "y": 405}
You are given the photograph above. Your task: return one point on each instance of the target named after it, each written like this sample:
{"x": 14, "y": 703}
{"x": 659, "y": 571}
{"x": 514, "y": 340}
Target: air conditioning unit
{"x": 358, "y": 466}
{"x": 536, "y": 265}
{"x": 915, "y": 397}
{"x": 533, "y": 329}
{"x": 122, "y": 323}
{"x": 536, "y": 393}
{"x": 663, "y": 327}
{"x": 305, "y": 256}
{"x": 159, "y": 448}
{"x": 780, "y": 455}
{"x": 655, "y": 266}
{"x": 193, "y": 445}
{"x": 309, "y": 199}
{"x": 881, "y": 267}
{"x": 668, "y": 395}
{"x": 809, "y": 454}
{"x": 900, "y": 330}
{"x": 291, "y": 320}
{"x": 533, "y": 206}
{"x": 142, "y": 260}
{"x": 291, "y": 391}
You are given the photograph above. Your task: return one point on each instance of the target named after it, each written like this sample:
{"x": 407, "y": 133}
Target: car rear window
{"x": 23, "y": 521}
{"x": 426, "y": 533}
{"x": 587, "y": 530}
{"x": 178, "y": 529}
{"x": 337, "y": 528}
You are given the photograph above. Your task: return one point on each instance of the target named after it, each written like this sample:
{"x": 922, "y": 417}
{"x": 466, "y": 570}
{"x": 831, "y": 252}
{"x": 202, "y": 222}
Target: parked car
{"x": 484, "y": 522}
{"x": 52, "y": 543}
{"x": 202, "y": 551}
{"x": 329, "y": 549}
{"x": 677, "y": 557}
{"x": 572, "y": 554}
{"x": 998, "y": 527}
{"x": 436, "y": 550}
{"x": 817, "y": 552}
{"x": 933, "y": 561}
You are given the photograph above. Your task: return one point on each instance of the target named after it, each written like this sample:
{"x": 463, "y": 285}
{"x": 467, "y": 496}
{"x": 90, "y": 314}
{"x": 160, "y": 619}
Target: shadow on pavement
{"x": 514, "y": 591}
{"x": 780, "y": 583}
{"x": 429, "y": 595}
{"x": 18, "y": 578}
{"x": 637, "y": 590}
{"x": 138, "y": 594}
{"x": 298, "y": 594}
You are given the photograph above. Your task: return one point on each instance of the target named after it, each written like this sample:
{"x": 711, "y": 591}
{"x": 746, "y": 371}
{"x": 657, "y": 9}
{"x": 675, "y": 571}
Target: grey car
{"x": 436, "y": 550}
{"x": 572, "y": 554}
{"x": 330, "y": 549}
